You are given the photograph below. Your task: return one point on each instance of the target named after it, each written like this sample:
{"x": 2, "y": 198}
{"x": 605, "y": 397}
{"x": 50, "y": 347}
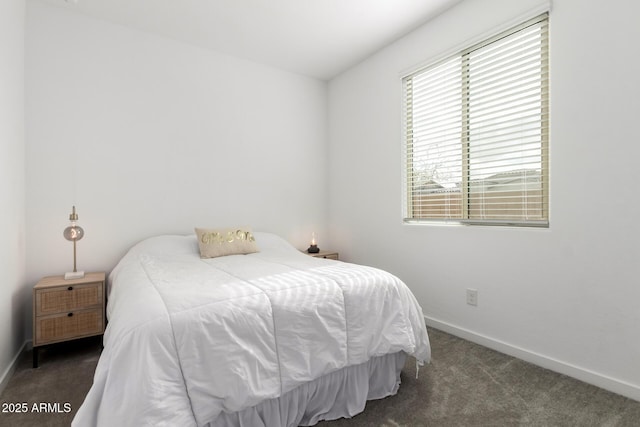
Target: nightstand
{"x": 324, "y": 254}
{"x": 65, "y": 310}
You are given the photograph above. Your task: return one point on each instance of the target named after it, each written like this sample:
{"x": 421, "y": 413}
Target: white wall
{"x": 12, "y": 185}
{"x": 564, "y": 297}
{"x": 146, "y": 136}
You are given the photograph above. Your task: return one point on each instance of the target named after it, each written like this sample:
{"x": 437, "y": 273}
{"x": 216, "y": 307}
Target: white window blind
{"x": 476, "y": 133}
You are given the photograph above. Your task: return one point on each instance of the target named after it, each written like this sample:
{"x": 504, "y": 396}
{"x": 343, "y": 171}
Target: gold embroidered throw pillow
{"x": 225, "y": 241}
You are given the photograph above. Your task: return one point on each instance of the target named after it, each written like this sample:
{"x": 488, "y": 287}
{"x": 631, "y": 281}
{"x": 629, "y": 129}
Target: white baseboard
{"x": 6, "y": 375}
{"x": 632, "y": 391}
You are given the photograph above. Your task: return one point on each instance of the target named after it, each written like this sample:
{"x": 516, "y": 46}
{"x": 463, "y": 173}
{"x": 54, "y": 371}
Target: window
{"x": 476, "y": 133}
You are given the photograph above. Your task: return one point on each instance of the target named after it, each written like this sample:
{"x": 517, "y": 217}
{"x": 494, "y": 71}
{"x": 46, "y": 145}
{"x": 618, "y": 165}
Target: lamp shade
{"x": 73, "y": 232}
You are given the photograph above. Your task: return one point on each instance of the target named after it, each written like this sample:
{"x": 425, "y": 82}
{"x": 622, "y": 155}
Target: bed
{"x": 271, "y": 338}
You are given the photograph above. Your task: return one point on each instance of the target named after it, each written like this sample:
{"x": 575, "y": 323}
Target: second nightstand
{"x": 65, "y": 310}
{"x": 324, "y": 254}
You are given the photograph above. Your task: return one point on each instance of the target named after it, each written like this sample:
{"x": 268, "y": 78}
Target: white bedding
{"x": 190, "y": 338}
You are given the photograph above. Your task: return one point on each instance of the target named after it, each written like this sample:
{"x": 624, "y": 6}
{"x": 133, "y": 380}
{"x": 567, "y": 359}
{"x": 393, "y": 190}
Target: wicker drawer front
{"x": 65, "y": 299}
{"x": 61, "y": 327}
{"x": 67, "y": 309}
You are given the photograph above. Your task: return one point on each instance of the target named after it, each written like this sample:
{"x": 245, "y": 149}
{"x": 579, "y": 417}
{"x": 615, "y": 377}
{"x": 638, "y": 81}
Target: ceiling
{"x": 317, "y": 38}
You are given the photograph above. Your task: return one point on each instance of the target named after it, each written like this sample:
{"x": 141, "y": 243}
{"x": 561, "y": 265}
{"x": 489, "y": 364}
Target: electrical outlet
{"x": 472, "y": 297}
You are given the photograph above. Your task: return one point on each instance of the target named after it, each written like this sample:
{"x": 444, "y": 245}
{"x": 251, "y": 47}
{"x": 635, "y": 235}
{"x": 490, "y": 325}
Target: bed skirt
{"x": 340, "y": 394}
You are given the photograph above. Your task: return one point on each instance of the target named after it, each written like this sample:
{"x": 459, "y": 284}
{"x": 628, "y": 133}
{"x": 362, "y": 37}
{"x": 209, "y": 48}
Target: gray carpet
{"x": 64, "y": 375}
{"x": 465, "y": 385}
{"x": 469, "y": 385}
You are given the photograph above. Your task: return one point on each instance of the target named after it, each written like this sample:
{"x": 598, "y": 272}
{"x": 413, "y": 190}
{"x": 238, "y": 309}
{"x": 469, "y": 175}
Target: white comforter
{"x": 188, "y": 338}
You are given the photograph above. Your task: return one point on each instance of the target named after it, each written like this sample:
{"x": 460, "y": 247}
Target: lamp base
{"x": 74, "y": 275}
{"x": 313, "y": 249}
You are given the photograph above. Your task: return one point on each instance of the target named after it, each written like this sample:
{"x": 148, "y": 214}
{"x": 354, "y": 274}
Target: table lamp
{"x": 313, "y": 248}
{"x": 74, "y": 233}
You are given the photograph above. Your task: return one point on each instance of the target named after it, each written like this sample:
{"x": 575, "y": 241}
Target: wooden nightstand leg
{"x": 35, "y": 357}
